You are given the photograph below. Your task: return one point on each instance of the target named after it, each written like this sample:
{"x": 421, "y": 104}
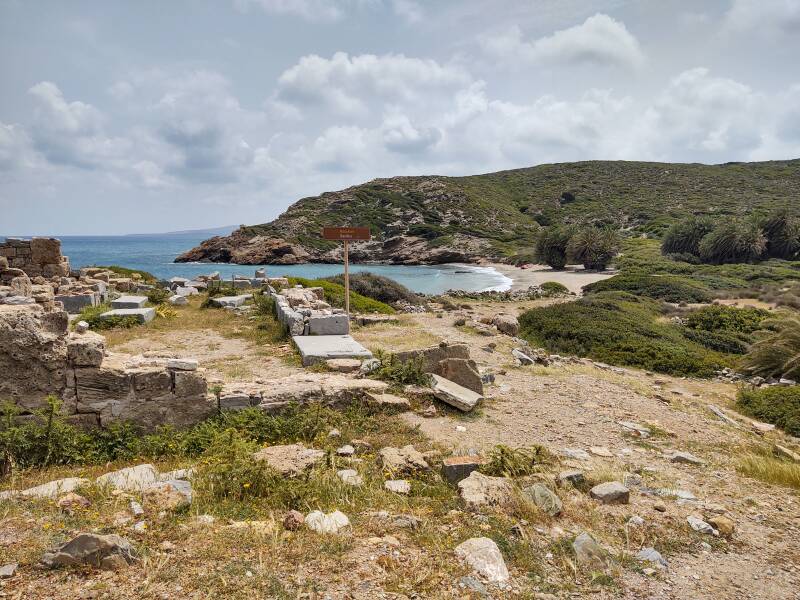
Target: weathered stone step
{"x": 143, "y": 315}
{"x": 319, "y": 348}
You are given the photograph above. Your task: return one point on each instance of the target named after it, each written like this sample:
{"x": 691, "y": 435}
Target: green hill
{"x": 434, "y": 219}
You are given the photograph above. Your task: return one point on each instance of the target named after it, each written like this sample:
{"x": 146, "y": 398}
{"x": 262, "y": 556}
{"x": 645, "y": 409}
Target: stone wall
{"x": 39, "y": 357}
{"x": 37, "y": 257}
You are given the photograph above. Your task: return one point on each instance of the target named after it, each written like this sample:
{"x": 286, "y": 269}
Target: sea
{"x": 156, "y": 253}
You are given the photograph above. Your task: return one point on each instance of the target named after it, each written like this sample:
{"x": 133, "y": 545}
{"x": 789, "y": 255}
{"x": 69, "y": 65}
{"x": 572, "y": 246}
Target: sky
{"x": 121, "y": 117}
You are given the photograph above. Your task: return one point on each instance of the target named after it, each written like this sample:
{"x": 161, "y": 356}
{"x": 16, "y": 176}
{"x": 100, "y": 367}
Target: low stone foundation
{"x": 38, "y": 357}
{"x": 38, "y": 257}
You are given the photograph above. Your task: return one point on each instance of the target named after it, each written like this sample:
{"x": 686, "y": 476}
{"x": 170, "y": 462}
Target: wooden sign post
{"x": 346, "y": 235}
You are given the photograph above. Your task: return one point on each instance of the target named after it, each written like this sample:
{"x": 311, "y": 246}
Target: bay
{"x": 155, "y": 254}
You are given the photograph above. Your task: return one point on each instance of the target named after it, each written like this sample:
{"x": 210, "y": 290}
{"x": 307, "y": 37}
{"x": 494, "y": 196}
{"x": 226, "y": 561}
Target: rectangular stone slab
{"x": 229, "y": 301}
{"x": 144, "y": 315}
{"x": 129, "y": 302}
{"x": 319, "y": 348}
{"x": 453, "y": 394}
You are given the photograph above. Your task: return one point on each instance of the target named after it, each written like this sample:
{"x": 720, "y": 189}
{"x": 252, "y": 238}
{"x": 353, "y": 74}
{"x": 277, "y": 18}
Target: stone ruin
{"x": 38, "y": 357}
{"x": 304, "y": 312}
{"x": 38, "y": 257}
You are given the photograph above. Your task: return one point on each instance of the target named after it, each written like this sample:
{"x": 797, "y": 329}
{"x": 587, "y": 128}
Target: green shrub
{"x": 779, "y": 405}
{"x": 727, "y": 318}
{"x": 398, "y": 373}
{"x": 553, "y": 288}
{"x": 158, "y": 295}
{"x": 619, "y": 328}
{"x": 733, "y": 241}
{"x": 334, "y": 295}
{"x": 684, "y": 236}
{"x": 227, "y": 470}
{"x": 659, "y": 287}
{"x": 593, "y": 247}
{"x": 776, "y": 352}
{"x": 91, "y": 314}
{"x": 722, "y": 341}
{"x": 377, "y": 287}
{"x": 143, "y": 276}
{"x": 551, "y": 246}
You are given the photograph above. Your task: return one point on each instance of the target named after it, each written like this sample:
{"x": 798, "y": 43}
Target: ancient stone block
{"x": 462, "y": 371}
{"x": 98, "y": 387}
{"x": 45, "y": 251}
{"x": 151, "y": 382}
{"x": 189, "y": 383}
{"x": 86, "y": 349}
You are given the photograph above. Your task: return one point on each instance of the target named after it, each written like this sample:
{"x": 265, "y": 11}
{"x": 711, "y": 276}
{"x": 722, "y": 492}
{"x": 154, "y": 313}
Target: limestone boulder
{"x": 431, "y": 357}
{"x": 484, "y": 557}
{"x": 131, "y": 478}
{"x": 402, "y": 460}
{"x": 289, "y": 460}
{"x": 170, "y": 495}
{"x": 480, "y": 490}
{"x": 507, "y": 324}
{"x": 455, "y": 395}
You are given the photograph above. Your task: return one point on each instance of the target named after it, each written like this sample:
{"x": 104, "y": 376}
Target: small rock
{"x": 343, "y": 365}
{"x": 456, "y": 468}
{"x": 483, "y": 555}
{"x": 334, "y": 433}
{"x": 660, "y": 507}
{"x": 398, "y": 486}
{"x": 588, "y": 552}
{"x": 104, "y": 551}
{"x": 71, "y": 502}
{"x": 429, "y": 412}
{"x": 573, "y": 478}
{"x": 402, "y": 460}
{"x": 136, "y": 509}
{"x": 131, "y": 478}
{"x": 346, "y": 450}
{"x": 81, "y": 327}
{"x": 523, "y": 358}
{"x": 686, "y": 458}
{"x": 601, "y": 451}
{"x": 544, "y": 498}
{"x": 8, "y": 570}
{"x": 700, "y": 525}
{"x": 636, "y": 521}
{"x": 293, "y": 520}
{"x": 168, "y": 495}
{"x": 290, "y": 460}
{"x": 651, "y": 555}
{"x": 350, "y": 477}
{"x": 576, "y": 453}
{"x": 140, "y": 527}
{"x": 470, "y": 583}
{"x": 611, "y": 492}
{"x": 480, "y": 490}
{"x": 723, "y": 524}
{"x": 332, "y": 523}
{"x": 205, "y": 519}
{"x": 167, "y": 546}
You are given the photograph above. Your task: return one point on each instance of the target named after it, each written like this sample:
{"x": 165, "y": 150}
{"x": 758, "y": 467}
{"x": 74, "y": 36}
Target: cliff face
{"x": 432, "y": 220}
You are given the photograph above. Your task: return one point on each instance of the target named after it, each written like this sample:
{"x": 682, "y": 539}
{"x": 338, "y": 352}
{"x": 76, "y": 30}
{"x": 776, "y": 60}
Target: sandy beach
{"x": 574, "y": 277}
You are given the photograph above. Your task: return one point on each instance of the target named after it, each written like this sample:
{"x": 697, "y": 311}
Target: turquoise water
{"x": 155, "y": 254}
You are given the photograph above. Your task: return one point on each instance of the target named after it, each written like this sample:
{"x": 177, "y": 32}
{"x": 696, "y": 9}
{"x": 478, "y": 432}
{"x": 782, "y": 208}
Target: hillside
{"x": 434, "y": 219}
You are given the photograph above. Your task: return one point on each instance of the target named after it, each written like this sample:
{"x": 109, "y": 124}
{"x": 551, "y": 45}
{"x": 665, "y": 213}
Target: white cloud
{"x": 600, "y": 40}
{"x": 409, "y": 10}
{"x": 346, "y": 84}
{"x": 705, "y": 117}
{"x": 311, "y": 10}
{"x": 401, "y": 135}
{"x": 15, "y": 147}
{"x": 764, "y": 16}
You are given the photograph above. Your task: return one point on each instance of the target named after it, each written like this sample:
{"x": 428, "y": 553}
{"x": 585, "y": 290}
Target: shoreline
{"x": 574, "y": 277}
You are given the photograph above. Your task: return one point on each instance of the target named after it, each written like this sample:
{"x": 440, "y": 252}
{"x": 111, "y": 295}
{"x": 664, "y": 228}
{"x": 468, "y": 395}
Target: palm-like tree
{"x": 735, "y": 241}
{"x": 782, "y": 231}
{"x": 551, "y": 246}
{"x": 777, "y": 351}
{"x": 593, "y": 247}
{"x": 684, "y": 237}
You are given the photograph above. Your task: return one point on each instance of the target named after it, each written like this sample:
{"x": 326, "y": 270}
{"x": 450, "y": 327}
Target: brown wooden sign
{"x": 345, "y": 234}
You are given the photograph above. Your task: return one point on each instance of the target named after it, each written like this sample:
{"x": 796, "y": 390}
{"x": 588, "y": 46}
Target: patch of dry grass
{"x": 760, "y": 464}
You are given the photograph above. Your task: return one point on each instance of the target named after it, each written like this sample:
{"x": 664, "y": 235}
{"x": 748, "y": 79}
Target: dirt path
{"x": 580, "y": 406}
